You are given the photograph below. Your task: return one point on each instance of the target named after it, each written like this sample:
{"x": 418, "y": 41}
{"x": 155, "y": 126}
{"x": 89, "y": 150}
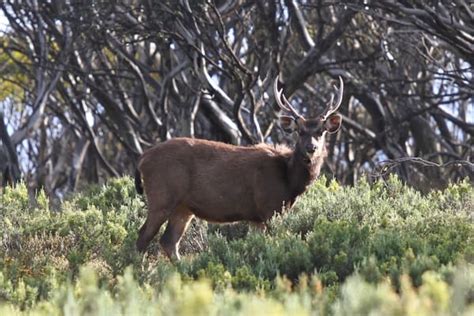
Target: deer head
{"x": 311, "y": 131}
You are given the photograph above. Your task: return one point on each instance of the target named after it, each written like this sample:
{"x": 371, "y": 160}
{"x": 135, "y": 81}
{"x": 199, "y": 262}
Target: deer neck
{"x": 302, "y": 171}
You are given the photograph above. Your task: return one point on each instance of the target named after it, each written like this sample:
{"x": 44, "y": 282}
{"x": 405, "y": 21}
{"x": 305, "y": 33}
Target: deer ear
{"x": 288, "y": 124}
{"x": 333, "y": 123}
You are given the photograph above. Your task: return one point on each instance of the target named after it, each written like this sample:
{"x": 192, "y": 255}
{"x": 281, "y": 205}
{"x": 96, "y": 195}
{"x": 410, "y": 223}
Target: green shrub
{"x": 370, "y": 248}
{"x": 85, "y": 296}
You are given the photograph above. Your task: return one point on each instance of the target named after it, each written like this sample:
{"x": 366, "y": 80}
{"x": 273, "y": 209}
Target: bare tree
{"x": 100, "y": 81}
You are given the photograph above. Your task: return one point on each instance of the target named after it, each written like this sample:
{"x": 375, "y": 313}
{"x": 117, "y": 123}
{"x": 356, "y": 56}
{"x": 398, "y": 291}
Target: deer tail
{"x": 138, "y": 181}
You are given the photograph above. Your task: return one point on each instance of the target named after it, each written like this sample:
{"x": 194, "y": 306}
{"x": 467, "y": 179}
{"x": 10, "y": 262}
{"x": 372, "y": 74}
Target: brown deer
{"x": 222, "y": 183}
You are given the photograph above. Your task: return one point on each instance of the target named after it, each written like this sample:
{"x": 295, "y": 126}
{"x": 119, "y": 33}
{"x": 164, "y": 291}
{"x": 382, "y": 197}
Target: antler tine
{"x": 340, "y": 92}
{"x": 287, "y": 105}
{"x": 331, "y": 108}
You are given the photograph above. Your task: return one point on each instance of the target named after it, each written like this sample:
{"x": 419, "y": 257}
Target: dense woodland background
{"x": 86, "y": 86}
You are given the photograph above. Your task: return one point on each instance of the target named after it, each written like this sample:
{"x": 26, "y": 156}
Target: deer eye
{"x": 317, "y": 132}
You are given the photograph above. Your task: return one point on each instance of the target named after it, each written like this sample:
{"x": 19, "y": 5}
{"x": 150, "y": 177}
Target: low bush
{"x": 382, "y": 248}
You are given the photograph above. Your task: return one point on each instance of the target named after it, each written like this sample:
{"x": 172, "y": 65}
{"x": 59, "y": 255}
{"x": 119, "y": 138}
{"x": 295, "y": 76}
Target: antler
{"x": 286, "y": 106}
{"x": 331, "y": 108}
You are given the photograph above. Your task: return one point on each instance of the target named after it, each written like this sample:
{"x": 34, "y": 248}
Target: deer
{"x": 184, "y": 178}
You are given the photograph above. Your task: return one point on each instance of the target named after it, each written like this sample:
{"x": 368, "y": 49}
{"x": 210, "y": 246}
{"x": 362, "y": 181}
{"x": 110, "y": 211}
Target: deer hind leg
{"x": 178, "y": 222}
{"x": 155, "y": 218}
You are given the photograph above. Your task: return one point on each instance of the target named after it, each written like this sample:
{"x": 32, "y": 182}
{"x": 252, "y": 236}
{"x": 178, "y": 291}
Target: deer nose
{"x": 310, "y": 149}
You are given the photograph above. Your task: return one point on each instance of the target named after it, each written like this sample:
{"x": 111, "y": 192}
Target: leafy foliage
{"x": 382, "y": 248}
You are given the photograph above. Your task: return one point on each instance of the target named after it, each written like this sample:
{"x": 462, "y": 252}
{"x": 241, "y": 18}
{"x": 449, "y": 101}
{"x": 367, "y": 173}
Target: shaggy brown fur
{"x": 186, "y": 177}
{"x": 217, "y": 182}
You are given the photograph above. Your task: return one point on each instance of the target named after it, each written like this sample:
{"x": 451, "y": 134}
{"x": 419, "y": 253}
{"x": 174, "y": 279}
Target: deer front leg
{"x": 260, "y": 226}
